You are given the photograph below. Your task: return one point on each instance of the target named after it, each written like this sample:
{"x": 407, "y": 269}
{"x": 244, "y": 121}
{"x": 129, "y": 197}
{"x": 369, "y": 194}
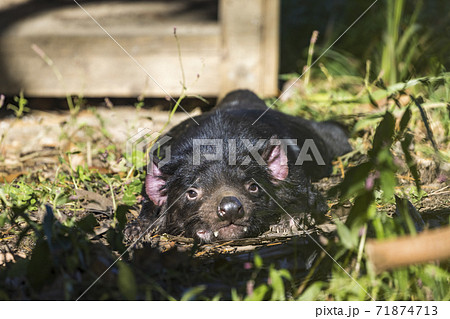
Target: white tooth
{"x": 216, "y": 234}
{"x": 245, "y": 229}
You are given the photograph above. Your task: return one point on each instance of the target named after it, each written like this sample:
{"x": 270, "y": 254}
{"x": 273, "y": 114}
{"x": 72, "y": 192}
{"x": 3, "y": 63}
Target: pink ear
{"x": 277, "y": 163}
{"x": 153, "y": 185}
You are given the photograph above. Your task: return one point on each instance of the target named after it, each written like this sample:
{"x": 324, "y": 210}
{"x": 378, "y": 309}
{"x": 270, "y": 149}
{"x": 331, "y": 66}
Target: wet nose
{"x": 230, "y": 208}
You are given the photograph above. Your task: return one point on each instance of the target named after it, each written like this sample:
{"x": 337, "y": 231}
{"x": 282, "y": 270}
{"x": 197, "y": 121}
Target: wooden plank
{"x": 98, "y": 67}
{"x": 91, "y": 63}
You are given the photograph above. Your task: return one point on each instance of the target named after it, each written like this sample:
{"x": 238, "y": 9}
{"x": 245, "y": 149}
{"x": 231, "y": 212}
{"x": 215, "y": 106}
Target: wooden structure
{"x": 225, "y": 44}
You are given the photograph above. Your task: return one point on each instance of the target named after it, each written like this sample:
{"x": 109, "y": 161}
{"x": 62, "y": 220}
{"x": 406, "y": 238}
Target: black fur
{"x": 260, "y": 189}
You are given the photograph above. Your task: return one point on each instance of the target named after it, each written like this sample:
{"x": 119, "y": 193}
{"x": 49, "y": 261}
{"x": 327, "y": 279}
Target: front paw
{"x": 137, "y": 230}
{"x": 295, "y": 225}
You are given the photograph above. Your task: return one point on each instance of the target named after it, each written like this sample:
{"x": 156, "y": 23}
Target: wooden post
{"x": 427, "y": 246}
{"x": 250, "y": 36}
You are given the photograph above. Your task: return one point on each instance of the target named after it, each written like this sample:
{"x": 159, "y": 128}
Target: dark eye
{"x": 191, "y": 194}
{"x": 253, "y": 188}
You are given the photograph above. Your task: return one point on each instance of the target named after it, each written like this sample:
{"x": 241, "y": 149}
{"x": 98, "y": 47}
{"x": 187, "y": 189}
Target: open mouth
{"x": 231, "y": 231}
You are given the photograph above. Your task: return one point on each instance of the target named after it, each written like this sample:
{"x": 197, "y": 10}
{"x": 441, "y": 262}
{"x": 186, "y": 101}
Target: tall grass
{"x": 401, "y": 39}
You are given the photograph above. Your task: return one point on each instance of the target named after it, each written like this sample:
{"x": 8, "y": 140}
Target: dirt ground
{"x": 34, "y": 142}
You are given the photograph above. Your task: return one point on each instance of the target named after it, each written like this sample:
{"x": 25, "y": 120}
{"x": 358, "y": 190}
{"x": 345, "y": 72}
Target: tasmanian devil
{"x": 236, "y": 171}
